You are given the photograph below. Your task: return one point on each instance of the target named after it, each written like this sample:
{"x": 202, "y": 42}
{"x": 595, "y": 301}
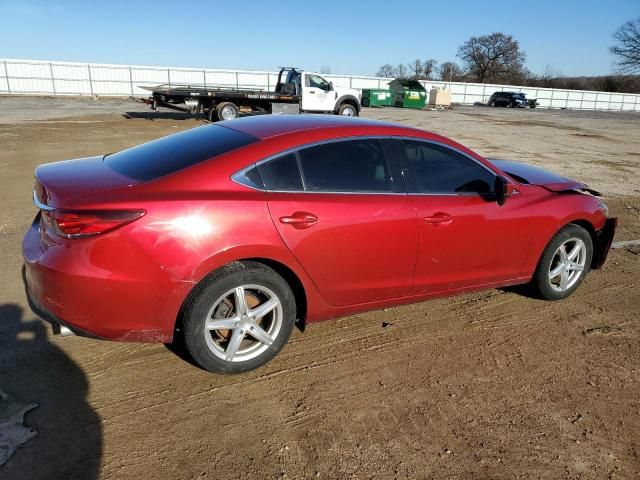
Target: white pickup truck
{"x": 296, "y": 91}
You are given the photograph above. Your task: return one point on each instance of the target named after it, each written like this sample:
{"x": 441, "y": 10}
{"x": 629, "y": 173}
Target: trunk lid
{"x": 532, "y": 175}
{"x": 58, "y": 182}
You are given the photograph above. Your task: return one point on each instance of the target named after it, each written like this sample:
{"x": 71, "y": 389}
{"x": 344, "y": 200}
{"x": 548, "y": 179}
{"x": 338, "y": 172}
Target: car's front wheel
{"x": 564, "y": 263}
{"x": 239, "y": 319}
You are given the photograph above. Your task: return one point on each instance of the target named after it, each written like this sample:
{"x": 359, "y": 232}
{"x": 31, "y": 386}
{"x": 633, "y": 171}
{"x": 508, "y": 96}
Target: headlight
{"x": 603, "y": 208}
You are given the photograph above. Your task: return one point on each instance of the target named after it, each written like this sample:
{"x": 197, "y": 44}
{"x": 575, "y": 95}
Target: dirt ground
{"x": 486, "y": 385}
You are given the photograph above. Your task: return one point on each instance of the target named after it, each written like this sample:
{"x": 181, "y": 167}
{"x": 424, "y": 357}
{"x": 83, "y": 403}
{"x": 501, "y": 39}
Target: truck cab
{"x": 318, "y": 94}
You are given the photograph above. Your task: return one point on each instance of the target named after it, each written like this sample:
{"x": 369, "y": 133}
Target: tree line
{"x": 498, "y": 58}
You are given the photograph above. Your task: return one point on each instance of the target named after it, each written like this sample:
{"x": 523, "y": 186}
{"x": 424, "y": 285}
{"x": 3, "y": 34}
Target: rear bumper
{"x": 101, "y": 289}
{"x": 604, "y": 238}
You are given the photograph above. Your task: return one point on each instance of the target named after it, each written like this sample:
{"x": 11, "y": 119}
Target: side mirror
{"x": 330, "y": 87}
{"x": 504, "y": 189}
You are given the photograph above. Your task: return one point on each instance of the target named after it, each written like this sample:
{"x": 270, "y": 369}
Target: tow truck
{"x": 296, "y": 91}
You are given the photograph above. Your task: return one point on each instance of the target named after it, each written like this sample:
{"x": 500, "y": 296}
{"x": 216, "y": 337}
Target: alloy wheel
{"x": 243, "y": 323}
{"x": 567, "y": 264}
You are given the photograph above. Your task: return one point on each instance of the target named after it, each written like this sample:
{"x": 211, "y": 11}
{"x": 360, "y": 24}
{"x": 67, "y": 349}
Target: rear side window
{"x": 347, "y": 166}
{"x": 175, "y": 152}
{"x": 281, "y": 174}
{"x": 438, "y": 169}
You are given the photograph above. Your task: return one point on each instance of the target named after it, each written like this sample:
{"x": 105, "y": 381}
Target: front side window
{"x": 345, "y": 166}
{"x": 317, "y": 81}
{"x": 438, "y": 169}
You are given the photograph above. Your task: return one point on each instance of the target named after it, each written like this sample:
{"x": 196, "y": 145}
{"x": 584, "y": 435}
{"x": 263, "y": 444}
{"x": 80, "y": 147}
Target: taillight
{"x": 78, "y": 223}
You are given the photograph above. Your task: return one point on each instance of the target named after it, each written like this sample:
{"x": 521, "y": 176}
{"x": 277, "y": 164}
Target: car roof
{"x": 267, "y": 126}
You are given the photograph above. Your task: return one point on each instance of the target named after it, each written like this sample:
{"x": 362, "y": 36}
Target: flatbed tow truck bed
{"x": 296, "y": 91}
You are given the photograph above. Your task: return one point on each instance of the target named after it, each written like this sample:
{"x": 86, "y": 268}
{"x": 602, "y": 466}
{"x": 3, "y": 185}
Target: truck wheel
{"x": 227, "y": 111}
{"x": 348, "y": 110}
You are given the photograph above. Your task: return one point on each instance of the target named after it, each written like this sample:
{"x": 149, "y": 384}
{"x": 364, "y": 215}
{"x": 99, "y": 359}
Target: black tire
{"x": 227, "y": 111}
{"x": 543, "y": 286}
{"x": 205, "y": 351}
{"x": 347, "y": 107}
{"x": 492, "y": 104}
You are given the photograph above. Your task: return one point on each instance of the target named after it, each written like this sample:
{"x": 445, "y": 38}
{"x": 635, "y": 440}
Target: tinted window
{"x": 250, "y": 178}
{"x": 439, "y": 169}
{"x": 349, "y": 166}
{"x": 175, "y": 152}
{"x": 281, "y": 173}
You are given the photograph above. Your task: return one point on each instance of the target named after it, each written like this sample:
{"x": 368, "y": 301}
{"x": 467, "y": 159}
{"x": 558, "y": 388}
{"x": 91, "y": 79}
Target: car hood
{"x": 532, "y": 175}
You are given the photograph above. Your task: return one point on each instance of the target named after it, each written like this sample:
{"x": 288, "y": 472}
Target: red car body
{"x": 364, "y": 251}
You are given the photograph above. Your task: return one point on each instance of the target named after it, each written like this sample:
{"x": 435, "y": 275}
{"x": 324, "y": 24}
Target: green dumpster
{"x": 408, "y": 93}
{"x": 376, "y": 97}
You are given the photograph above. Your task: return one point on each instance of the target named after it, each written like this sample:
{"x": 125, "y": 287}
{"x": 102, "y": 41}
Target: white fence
{"x": 33, "y": 77}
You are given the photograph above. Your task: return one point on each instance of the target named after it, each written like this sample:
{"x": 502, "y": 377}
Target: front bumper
{"x": 602, "y": 245}
{"x": 103, "y": 288}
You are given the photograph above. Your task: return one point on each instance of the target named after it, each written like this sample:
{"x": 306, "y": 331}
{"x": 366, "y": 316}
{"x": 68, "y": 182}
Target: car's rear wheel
{"x": 239, "y": 319}
{"x": 564, "y": 263}
{"x": 492, "y": 104}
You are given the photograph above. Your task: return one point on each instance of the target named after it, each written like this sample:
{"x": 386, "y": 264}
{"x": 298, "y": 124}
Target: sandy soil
{"x": 487, "y": 385}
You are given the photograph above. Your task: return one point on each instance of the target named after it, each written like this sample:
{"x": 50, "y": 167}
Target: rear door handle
{"x": 300, "y": 220}
{"x": 439, "y": 218}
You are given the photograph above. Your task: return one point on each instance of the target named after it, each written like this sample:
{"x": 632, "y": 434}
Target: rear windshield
{"x": 175, "y": 152}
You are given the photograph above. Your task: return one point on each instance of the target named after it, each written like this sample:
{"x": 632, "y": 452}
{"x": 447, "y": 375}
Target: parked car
{"x": 511, "y": 99}
{"x": 229, "y": 233}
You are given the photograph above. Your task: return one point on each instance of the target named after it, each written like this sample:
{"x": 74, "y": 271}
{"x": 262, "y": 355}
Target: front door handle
{"x": 300, "y": 220}
{"x": 439, "y": 218}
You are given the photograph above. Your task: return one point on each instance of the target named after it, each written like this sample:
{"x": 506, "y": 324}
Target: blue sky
{"x": 349, "y": 36}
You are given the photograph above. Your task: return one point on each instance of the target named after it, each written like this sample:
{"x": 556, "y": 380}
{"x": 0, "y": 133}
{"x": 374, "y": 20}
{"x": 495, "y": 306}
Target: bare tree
{"x": 450, "y": 72}
{"x": 428, "y": 68}
{"x": 627, "y": 50}
{"x": 415, "y": 68}
{"x": 401, "y": 71}
{"x": 549, "y": 77}
{"x": 326, "y": 69}
{"x": 387, "y": 70}
{"x": 494, "y": 57}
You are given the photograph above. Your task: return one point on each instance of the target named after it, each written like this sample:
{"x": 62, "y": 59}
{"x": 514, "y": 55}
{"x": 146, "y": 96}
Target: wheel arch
{"x": 288, "y": 274}
{"x": 350, "y": 99}
{"x": 601, "y": 239}
{"x": 589, "y": 227}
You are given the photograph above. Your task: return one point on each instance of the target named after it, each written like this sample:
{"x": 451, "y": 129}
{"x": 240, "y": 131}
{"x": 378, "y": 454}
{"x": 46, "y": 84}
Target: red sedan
{"x": 230, "y": 233}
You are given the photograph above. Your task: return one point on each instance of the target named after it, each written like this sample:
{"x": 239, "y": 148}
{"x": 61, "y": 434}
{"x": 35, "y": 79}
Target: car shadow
{"x": 68, "y": 443}
{"x": 524, "y": 290}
